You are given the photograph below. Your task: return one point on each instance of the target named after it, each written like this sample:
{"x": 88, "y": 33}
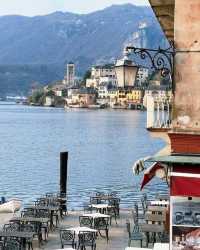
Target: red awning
{"x": 185, "y": 185}
{"x": 155, "y": 170}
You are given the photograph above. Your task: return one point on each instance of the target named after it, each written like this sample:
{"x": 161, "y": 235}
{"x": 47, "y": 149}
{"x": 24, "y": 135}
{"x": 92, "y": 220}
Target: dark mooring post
{"x": 63, "y": 182}
{"x": 63, "y": 172}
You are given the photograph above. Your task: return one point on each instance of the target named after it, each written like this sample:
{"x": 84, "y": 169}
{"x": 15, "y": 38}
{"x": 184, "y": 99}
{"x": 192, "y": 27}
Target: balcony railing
{"x": 158, "y": 114}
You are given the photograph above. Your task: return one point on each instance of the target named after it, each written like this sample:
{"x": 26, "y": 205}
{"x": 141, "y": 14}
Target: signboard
{"x": 185, "y": 223}
{"x": 185, "y": 209}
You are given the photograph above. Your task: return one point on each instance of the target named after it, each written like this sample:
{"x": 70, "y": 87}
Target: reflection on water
{"x": 102, "y": 145}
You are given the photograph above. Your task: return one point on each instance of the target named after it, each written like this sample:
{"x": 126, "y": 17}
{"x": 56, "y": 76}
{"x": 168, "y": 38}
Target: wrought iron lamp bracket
{"x": 159, "y": 59}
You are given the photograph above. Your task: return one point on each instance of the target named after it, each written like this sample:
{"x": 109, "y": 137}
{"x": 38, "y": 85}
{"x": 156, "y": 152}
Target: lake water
{"x": 102, "y": 146}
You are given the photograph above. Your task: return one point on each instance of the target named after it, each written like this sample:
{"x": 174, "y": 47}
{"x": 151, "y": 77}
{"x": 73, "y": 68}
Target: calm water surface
{"x": 102, "y": 145}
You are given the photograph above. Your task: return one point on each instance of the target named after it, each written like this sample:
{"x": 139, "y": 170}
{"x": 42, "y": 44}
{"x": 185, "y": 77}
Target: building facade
{"x": 103, "y": 71}
{"x": 104, "y": 74}
{"x": 135, "y": 96}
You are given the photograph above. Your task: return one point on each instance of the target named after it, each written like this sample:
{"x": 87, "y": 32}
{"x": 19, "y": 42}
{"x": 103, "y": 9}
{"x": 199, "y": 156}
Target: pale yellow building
{"x": 121, "y": 96}
{"x": 134, "y": 96}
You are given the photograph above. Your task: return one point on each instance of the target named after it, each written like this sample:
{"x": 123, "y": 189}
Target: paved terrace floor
{"x": 118, "y": 236}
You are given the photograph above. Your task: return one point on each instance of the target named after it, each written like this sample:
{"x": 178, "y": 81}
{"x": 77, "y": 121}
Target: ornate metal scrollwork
{"x": 160, "y": 59}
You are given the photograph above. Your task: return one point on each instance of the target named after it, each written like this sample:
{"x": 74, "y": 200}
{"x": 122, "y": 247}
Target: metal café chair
{"x": 101, "y": 224}
{"x": 113, "y": 194}
{"x": 41, "y": 202}
{"x": 12, "y": 244}
{"x": 50, "y": 194}
{"x": 87, "y": 208}
{"x": 54, "y": 203}
{"x": 113, "y": 214}
{"x": 115, "y": 203}
{"x": 28, "y": 212}
{"x": 86, "y": 239}
{"x": 29, "y": 228}
{"x": 144, "y": 203}
{"x": 61, "y": 195}
{"x": 62, "y": 198}
{"x": 34, "y": 228}
{"x": 1, "y": 245}
{"x": 139, "y": 216}
{"x": 85, "y": 221}
{"x": 95, "y": 200}
{"x": 44, "y": 226}
{"x": 67, "y": 238}
{"x": 134, "y": 216}
{"x": 56, "y": 215}
{"x": 11, "y": 227}
{"x": 99, "y": 193}
{"x": 135, "y": 235}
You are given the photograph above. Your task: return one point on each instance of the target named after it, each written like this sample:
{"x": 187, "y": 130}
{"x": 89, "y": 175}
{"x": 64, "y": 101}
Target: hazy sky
{"x": 41, "y": 7}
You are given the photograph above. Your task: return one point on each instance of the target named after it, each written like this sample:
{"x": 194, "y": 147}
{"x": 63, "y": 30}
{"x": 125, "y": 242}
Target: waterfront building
{"x": 87, "y": 96}
{"x": 121, "y": 96}
{"x": 96, "y": 82}
{"x": 82, "y": 97}
{"x": 49, "y": 101}
{"x": 107, "y": 70}
{"x": 59, "y": 90}
{"x": 103, "y": 90}
{"x": 109, "y": 80}
{"x": 112, "y": 96}
{"x": 102, "y": 74}
{"x": 72, "y": 91}
{"x": 72, "y": 95}
{"x": 69, "y": 77}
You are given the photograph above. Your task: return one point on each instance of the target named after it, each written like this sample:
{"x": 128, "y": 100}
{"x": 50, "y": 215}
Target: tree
{"x": 36, "y": 97}
{"x": 50, "y": 93}
{"x": 86, "y": 76}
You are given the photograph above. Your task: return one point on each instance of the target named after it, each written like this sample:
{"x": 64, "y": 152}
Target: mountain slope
{"x": 85, "y": 39}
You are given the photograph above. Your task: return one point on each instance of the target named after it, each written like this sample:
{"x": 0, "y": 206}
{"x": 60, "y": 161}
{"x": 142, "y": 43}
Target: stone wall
{"x": 186, "y": 113}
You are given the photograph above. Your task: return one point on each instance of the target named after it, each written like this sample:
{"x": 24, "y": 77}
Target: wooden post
{"x": 63, "y": 172}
